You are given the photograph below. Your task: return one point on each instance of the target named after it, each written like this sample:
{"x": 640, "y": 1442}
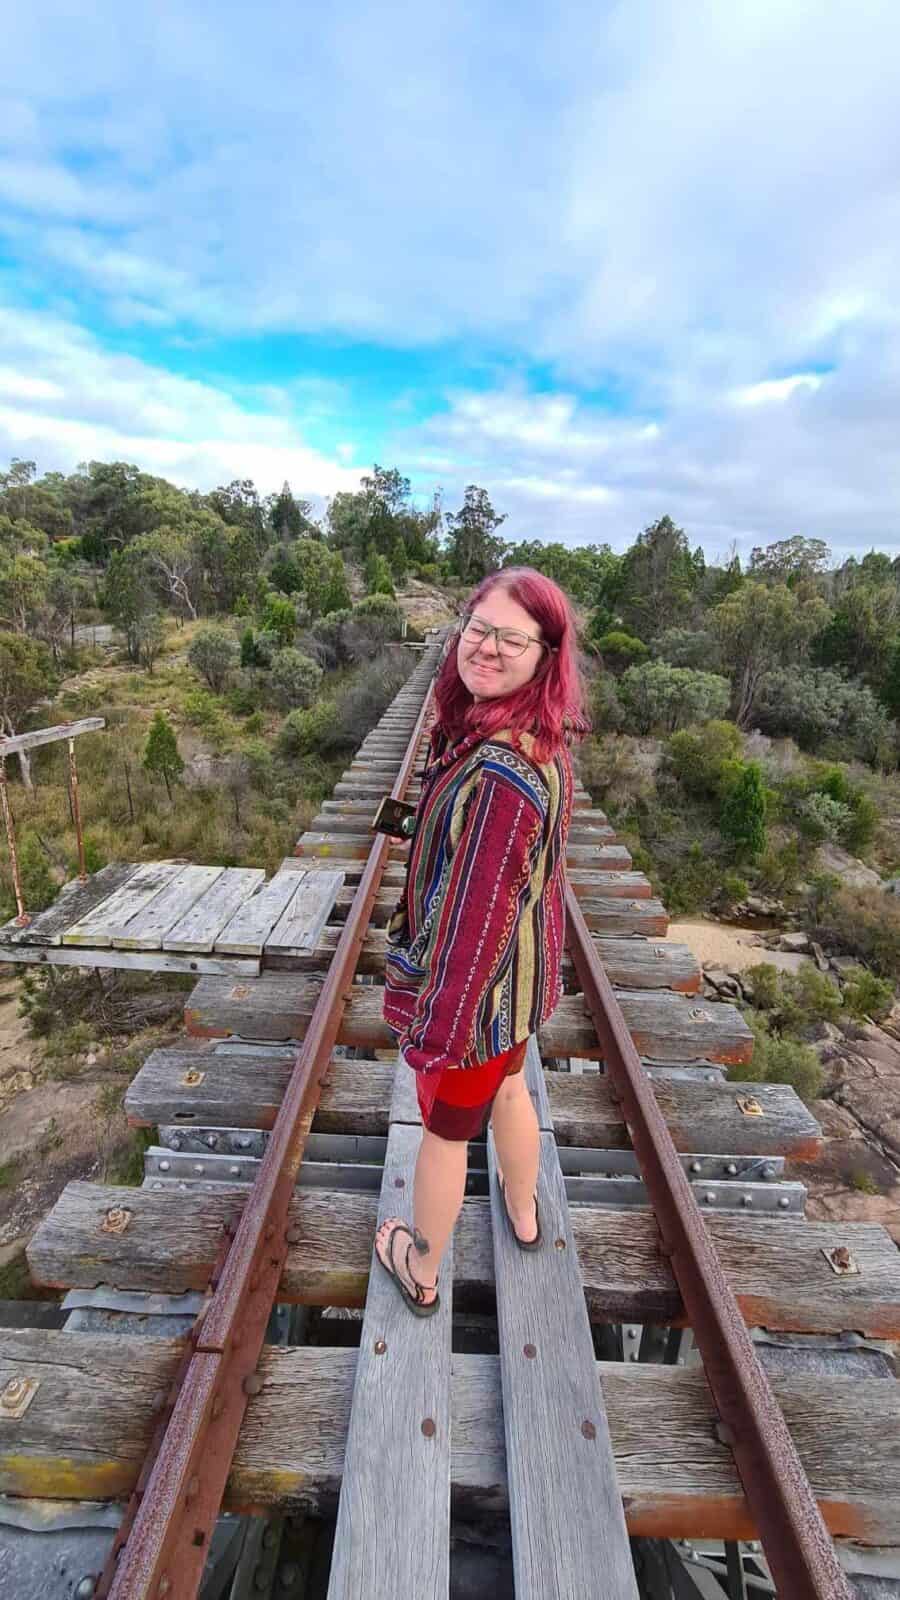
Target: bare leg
{"x": 438, "y": 1189}
{"x": 518, "y": 1142}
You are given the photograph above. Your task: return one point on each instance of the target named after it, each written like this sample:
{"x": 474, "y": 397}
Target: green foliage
{"x": 619, "y": 650}
{"x": 703, "y": 758}
{"x": 734, "y": 888}
{"x": 763, "y": 626}
{"x": 778, "y": 868}
{"x": 657, "y": 697}
{"x": 213, "y": 654}
{"x": 863, "y": 1182}
{"x": 657, "y": 579}
{"x": 39, "y": 887}
{"x": 821, "y": 817}
{"x": 294, "y": 680}
{"x": 794, "y": 1001}
{"x": 790, "y": 560}
{"x": 693, "y": 883}
{"x": 867, "y": 995}
{"x": 781, "y": 1060}
{"x": 27, "y": 674}
{"x": 474, "y": 547}
{"x": 688, "y": 647}
{"x": 583, "y": 572}
{"x": 743, "y": 819}
{"x": 161, "y": 755}
{"x": 817, "y": 706}
{"x": 308, "y": 732}
{"x": 378, "y": 574}
{"x": 863, "y": 923}
{"x": 279, "y": 618}
{"x": 607, "y": 711}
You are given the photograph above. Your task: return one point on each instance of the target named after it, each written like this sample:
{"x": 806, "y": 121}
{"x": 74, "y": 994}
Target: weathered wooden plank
{"x": 565, "y": 1503}
{"x": 776, "y": 1266}
{"x": 609, "y": 915}
{"x": 664, "y": 1026}
{"x": 580, "y": 851}
{"x": 612, "y": 858}
{"x": 245, "y": 1091}
{"x": 247, "y": 931}
{"x": 101, "y": 925}
{"x": 10, "y": 744}
{"x": 635, "y": 963}
{"x": 145, "y": 930}
{"x": 397, "y": 1462}
{"x": 300, "y": 925}
{"x": 131, "y": 960}
{"x": 74, "y": 900}
{"x": 198, "y": 929}
{"x": 88, "y": 1429}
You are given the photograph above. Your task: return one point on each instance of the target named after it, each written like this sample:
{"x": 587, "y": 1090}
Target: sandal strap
{"x": 419, "y": 1288}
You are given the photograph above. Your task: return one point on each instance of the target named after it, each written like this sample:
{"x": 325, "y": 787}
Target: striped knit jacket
{"x": 475, "y": 944}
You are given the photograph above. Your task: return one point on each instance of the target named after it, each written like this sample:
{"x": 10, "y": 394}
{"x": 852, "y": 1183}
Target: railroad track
{"x": 665, "y": 1202}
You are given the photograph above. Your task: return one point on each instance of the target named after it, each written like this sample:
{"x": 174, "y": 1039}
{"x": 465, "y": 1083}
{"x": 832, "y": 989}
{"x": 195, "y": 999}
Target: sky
{"x": 609, "y": 261}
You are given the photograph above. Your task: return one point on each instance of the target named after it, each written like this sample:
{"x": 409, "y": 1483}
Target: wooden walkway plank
{"x": 568, "y": 1527}
{"x": 112, "y": 916}
{"x": 396, "y": 1472}
{"x": 74, "y": 900}
{"x": 198, "y": 928}
{"x": 300, "y": 925}
{"x": 245, "y": 934}
{"x": 87, "y": 1429}
{"x": 245, "y": 1091}
{"x": 145, "y": 930}
{"x": 776, "y": 1266}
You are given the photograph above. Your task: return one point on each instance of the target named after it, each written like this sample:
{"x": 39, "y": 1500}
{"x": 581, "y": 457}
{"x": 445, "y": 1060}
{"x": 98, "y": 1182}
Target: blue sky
{"x": 609, "y": 261}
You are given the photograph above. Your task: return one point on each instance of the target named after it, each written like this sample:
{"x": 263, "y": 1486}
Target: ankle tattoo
{"x": 421, "y": 1243}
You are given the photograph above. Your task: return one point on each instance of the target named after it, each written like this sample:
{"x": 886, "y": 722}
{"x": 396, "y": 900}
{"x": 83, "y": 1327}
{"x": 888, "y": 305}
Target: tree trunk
{"x": 25, "y": 769}
{"x": 168, "y": 785}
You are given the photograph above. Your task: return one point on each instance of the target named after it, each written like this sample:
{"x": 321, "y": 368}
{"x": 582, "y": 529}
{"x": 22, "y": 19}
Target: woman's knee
{"x": 512, "y": 1088}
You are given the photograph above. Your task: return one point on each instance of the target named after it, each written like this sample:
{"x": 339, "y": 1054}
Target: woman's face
{"x": 486, "y": 671}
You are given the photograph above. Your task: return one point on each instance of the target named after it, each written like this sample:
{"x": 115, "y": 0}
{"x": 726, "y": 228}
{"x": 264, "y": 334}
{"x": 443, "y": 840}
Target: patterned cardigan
{"x": 475, "y": 944}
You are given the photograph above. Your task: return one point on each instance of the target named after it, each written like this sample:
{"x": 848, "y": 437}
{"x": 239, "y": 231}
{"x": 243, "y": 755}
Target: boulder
{"x": 853, "y": 873}
{"x": 819, "y": 956}
{"x": 796, "y": 942}
{"x": 845, "y": 966}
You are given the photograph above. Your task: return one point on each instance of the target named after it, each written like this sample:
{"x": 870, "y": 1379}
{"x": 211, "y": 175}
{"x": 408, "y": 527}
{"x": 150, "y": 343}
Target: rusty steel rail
{"x": 796, "y": 1541}
{"x": 160, "y": 1549}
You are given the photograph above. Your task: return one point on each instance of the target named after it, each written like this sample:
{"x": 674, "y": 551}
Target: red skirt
{"x": 456, "y": 1102}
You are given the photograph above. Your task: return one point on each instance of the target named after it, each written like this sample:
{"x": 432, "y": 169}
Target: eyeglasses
{"x": 510, "y": 641}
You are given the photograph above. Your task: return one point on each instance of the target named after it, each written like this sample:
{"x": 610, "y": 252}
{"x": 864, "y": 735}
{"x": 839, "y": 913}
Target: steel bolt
{"x": 768, "y": 1173}
{"x": 530, "y": 1351}
{"x": 199, "y": 1168}
{"x": 560, "y": 1244}
{"x": 399, "y": 1183}
{"x": 85, "y": 1589}
{"x": 784, "y": 1202}
{"x": 165, "y": 1166}
{"x": 588, "y": 1429}
{"x": 243, "y": 1144}
{"x": 13, "y": 1393}
{"x": 731, "y": 1169}
{"x": 696, "y": 1166}
{"x": 379, "y": 1347}
{"x": 746, "y": 1199}
{"x": 709, "y": 1197}
{"x": 211, "y": 1141}
{"x": 841, "y": 1256}
{"x": 429, "y": 1427}
{"x": 234, "y": 1172}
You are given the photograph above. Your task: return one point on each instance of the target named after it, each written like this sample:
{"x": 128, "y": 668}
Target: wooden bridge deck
{"x": 324, "y": 1419}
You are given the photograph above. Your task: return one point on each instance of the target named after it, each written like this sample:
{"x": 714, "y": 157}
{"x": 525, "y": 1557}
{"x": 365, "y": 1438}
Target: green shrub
{"x": 620, "y": 650}
{"x": 694, "y": 884}
{"x": 245, "y": 694}
{"x": 294, "y": 681}
{"x": 703, "y": 758}
{"x": 868, "y": 996}
{"x": 820, "y": 817}
{"x": 743, "y": 819}
{"x": 780, "y": 1060}
{"x": 778, "y": 868}
{"x": 279, "y": 617}
{"x": 39, "y": 887}
{"x": 734, "y": 887}
{"x": 663, "y": 698}
{"x": 201, "y": 709}
{"x": 304, "y": 733}
{"x": 213, "y": 653}
{"x": 607, "y": 711}
{"x": 864, "y": 923}
{"x": 794, "y": 1001}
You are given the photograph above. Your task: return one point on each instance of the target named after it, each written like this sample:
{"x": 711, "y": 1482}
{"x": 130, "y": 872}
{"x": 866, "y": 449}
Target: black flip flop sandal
{"x": 524, "y": 1244}
{"x": 417, "y": 1304}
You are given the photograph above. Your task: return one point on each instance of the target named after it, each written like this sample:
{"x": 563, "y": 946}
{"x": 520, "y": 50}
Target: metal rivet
{"x": 530, "y": 1351}
{"x": 192, "y": 1078}
{"x": 560, "y": 1244}
{"x": 746, "y": 1199}
{"x": 697, "y": 1014}
{"x": 211, "y": 1140}
{"x": 631, "y": 1333}
{"x": 116, "y": 1220}
{"x": 165, "y": 1166}
{"x": 588, "y": 1429}
{"x": 709, "y": 1197}
{"x": 252, "y": 1383}
{"x": 199, "y": 1168}
{"x": 696, "y": 1166}
{"x": 379, "y": 1347}
{"x": 731, "y": 1169}
{"x": 399, "y": 1183}
{"x": 768, "y": 1173}
{"x": 784, "y": 1202}
{"x": 243, "y": 1144}
{"x": 428, "y": 1428}
{"x": 86, "y": 1589}
{"x": 234, "y": 1172}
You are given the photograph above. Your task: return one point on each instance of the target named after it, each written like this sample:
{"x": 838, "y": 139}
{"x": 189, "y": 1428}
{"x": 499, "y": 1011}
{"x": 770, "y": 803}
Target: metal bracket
{"x": 116, "y": 1220}
{"x": 192, "y": 1078}
{"x": 16, "y": 1397}
{"x": 749, "y": 1105}
{"x": 842, "y": 1262}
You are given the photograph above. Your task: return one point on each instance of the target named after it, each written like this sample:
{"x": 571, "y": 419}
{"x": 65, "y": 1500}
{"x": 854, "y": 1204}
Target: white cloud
{"x": 64, "y": 399}
{"x": 776, "y": 390}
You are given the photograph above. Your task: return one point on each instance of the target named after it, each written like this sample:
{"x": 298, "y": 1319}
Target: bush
{"x": 620, "y": 650}
{"x": 327, "y": 641}
{"x": 864, "y": 923}
{"x": 694, "y": 884}
{"x": 794, "y": 1001}
{"x": 279, "y": 617}
{"x": 820, "y": 817}
{"x": 607, "y": 711}
{"x": 213, "y": 653}
{"x": 778, "y": 1060}
{"x": 688, "y": 647}
{"x": 816, "y": 705}
{"x": 294, "y": 681}
{"x": 702, "y": 758}
{"x": 245, "y": 694}
{"x": 778, "y": 868}
{"x": 662, "y": 698}
{"x": 368, "y": 697}
{"x": 868, "y": 996}
{"x": 744, "y": 812}
{"x": 39, "y": 887}
{"x": 309, "y": 732}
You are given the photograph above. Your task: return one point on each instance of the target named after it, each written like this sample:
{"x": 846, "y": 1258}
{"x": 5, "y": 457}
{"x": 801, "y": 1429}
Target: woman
{"x": 475, "y": 945}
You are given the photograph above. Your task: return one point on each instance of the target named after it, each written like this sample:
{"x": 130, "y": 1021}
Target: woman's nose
{"x": 487, "y": 646}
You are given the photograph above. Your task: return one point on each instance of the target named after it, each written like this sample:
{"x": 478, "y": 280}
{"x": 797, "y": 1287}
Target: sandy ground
{"x": 716, "y": 945}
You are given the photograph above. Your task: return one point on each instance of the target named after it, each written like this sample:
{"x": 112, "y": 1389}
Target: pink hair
{"x": 550, "y": 706}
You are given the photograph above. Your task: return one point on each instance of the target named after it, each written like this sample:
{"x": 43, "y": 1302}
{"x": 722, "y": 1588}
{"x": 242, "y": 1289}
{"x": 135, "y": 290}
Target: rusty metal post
{"x": 161, "y": 1546}
{"x": 797, "y": 1543}
{"x": 76, "y": 811}
{"x": 22, "y": 918}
